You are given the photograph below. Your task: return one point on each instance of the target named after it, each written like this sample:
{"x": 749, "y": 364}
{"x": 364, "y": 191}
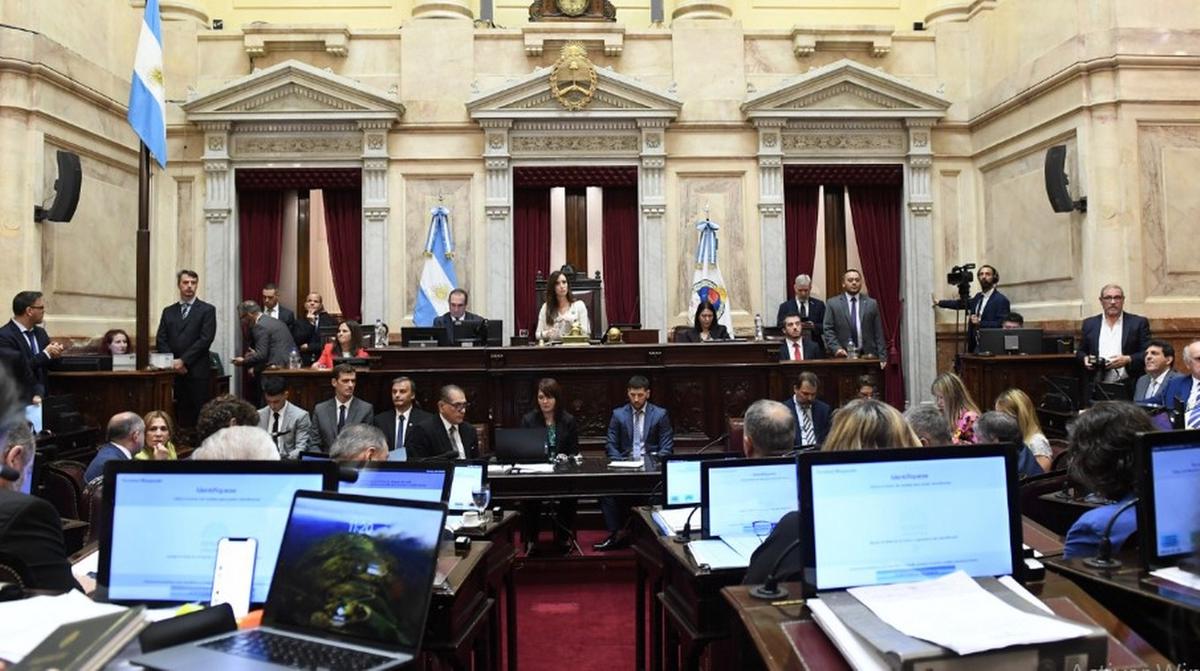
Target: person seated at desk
{"x": 704, "y": 326}
{"x": 767, "y": 432}
{"x": 1183, "y": 392}
{"x": 331, "y": 416}
{"x": 1018, "y": 404}
{"x": 1160, "y": 369}
{"x": 957, "y": 406}
{"x": 457, "y": 315}
{"x": 559, "y": 314}
{"x": 868, "y": 387}
{"x": 347, "y": 344}
{"x": 115, "y": 341}
{"x": 811, "y": 413}
{"x": 795, "y": 346}
{"x": 929, "y": 425}
{"x": 287, "y": 423}
{"x": 1001, "y": 427}
{"x": 237, "y": 443}
{"x": 396, "y": 423}
{"x": 359, "y": 443}
{"x": 637, "y": 428}
{"x": 1102, "y": 442}
{"x": 562, "y": 437}
{"x": 308, "y": 330}
{"x": 222, "y": 412}
{"x": 160, "y": 428}
{"x": 126, "y": 432}
{"x": 447, "y": 435}
{"x": 1013, "y": 320}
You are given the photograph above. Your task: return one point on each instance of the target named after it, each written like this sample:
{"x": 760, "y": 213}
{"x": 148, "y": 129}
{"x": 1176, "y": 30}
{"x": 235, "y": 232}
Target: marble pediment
{"x": 293, "y": 91}
{"x": 616, "y": 96}
{"x": 844, "y": 89}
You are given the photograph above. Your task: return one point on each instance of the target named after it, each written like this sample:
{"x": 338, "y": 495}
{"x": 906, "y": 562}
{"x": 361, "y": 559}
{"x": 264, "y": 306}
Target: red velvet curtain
{"x": 531, "y": 251}
{"x": 620, "y": 273}
{"x": 260, "y": 236}
{"x": 800, "y": 206}
{"x": 876, "y": 212}
{"x": 343, "y": 225}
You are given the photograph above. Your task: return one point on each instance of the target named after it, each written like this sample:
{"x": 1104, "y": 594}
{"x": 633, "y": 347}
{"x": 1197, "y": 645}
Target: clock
{"x": 572, "y": 7}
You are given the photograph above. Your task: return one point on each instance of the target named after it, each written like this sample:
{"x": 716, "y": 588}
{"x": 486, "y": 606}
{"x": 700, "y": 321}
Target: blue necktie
{"x": 32, "y": 341}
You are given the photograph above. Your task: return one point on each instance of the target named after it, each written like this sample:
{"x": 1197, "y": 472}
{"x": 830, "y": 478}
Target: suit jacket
{"x": 822, "y": 418}
{"x": 816, "y": 311}
{"x": 837, "y": 325}
{"x": 307, "y": 333}
{"x": 107, "y": 452}
{"x": 777, "y": 545}
{"x": 656, "y": 429}
{"x": 811, "y": 351}
{"x": 294, "y": 429}
{"x": 29, "y": 370}
{"x": 323, "y": 428}
{"x": 1177, "y": 391}
{"x": 287, "y": 317}
{"x": 386, "y": 422}
{"x": 446, "y": 323}
{"x": 188, "y": 339}
{"x": 1083, "y": 538}
{"x": 1143, "y": 385}
{"x": 431, "y": 441}
{"x": 994, "y": 312}
{"x": 566, "y": 429}
{"x": 273, "y": 344}
{"x": 31, "y": 531}
{"x": 716, "y": 331}
{"x": 1135, "y": 338}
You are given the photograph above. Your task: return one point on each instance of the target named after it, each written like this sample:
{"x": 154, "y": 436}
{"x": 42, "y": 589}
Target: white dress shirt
{"x": 455, "y": 437}
{"x": 1110, "y": 346}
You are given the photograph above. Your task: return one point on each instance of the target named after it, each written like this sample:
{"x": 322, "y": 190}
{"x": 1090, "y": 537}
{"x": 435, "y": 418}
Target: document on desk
{"x": 631, "y": 463}
{"x": 1178, "y": 576}
{"x": 953, "y": 611}
{"x": 722, "y": 553}
{"x": 672, "y": 520}
{"x": 29, "y": 621}
{"x": 531, "y": 468}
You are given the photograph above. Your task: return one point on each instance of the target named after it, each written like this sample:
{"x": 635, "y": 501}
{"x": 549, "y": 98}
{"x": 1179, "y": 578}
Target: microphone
{"x": 1057, "y": 387}
{"x": 1104, "y": 558}
{"x": 713, "y": 443}
{"x": 9, "y": 474}
{"x": 685, "y": 534}
{"x": 770, "y": 590}
{"x": 1098, "y": 387}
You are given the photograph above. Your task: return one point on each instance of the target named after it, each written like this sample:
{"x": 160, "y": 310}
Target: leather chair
{"x": 736, "y": 428}
{"x": 483, "y": 433}
{"x": 93, "y": 509}
{"x": 75, "y": 469}
{"x": 62, "y": 491}
{"x": 13, "y": 570}
{"x": 583, "y": 288}
{"x": 1060, "y": 455}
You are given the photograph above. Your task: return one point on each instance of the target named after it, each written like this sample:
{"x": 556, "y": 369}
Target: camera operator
{"x": 1114, "y": 342}
{"x": 987, "y": 309}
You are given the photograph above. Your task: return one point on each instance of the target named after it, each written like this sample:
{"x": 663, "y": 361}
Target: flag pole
{"x": 142, "y": 326}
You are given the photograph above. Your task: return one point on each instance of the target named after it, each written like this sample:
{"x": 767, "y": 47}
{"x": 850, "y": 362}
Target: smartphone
{"x": 233, "y": 575}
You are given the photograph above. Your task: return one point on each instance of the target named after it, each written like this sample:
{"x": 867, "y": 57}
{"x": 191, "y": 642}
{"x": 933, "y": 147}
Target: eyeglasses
{"x": 1112, "y": 299}
{"x": 461, "y": 405}
{"x": 37, "y": 307}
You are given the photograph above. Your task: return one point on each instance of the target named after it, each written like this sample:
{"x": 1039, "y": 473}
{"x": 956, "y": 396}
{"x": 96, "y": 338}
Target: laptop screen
{"x": 746, "y": 497}
{"x": 908, "y": 515}
{"x": 1169, "y": 494}
{"x": 681, "y": 479}
{"x": 165, "y": 527}
{"x": 358, "y": 569}
{"x": 466, "y": 479}
{"x": 398, "y": 480}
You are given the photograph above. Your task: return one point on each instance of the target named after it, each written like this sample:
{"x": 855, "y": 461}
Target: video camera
{"x": 961, "y": 277}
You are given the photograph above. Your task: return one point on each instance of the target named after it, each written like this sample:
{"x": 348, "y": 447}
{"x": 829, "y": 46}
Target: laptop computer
{"x": 520, "y": 446}
{"x": 351, "y": 591}
{"x": 401, "y": 480}
{"x": 1168, "y": 499}
{"x": 741, "y": 501}
{"x": 163, "y": 520}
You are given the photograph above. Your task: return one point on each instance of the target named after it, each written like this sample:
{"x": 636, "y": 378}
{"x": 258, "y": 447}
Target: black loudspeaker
{"x": 1056, "y": 182}
{"x": 66, "y": 190}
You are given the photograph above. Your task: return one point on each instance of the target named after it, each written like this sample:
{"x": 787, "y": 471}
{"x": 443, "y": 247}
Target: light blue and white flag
{"x": 437, "y": 276}
{"x": 147, "y": 94}
{"x": 707, "y": 282}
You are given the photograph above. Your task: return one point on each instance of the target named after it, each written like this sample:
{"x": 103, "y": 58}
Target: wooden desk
{"x": 986, "y": 376}
{"x": 593, "y": 478}
{"x": 459, "y": 612}
{"x": 761, "y": 642}
{"x": 699, "y": 384}
{"x": 101, "y": 394}
{"x": 499, "y": 562}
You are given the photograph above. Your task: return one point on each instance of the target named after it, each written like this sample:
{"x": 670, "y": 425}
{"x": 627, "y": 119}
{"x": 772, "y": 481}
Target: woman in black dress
{"x": 704, "y": 326}
{"x": 562, "y": 437}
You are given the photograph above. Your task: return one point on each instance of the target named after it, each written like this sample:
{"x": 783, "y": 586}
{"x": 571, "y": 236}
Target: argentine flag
{"x": 437, "y": 276}
{"x": 707, "y": 282}
{"x": 147, "y": 94}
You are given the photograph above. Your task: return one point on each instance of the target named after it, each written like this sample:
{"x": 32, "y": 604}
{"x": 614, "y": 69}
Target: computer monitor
{"x": 681, "y": 478}
{"x": 60, "y": 414}
{"x": 313, "y": 455}
{"x": 746, "y": 497}
{"x": 520, "y": 446}
{"x": 401, "y": 480}
{"x": 1010, "y": 341}
{"x": 1168, "y": 466}
{"x": 165, "y": 518}
{"x": 870, "y": 517}
{"x": 466, "y": 479}
{"x": 85, "y": 363}
{"x": 1112, "y": 391}
{"x": 421, "y": 336}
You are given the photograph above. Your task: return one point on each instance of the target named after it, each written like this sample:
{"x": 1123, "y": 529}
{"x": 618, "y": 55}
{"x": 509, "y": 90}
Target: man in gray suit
{"x": 852, "y": 318}
{"x": 330, "y": 417}
{"x": 1160, "y": 369}
{"x": 288, "y": 425}
{"x": 270, "y": 344}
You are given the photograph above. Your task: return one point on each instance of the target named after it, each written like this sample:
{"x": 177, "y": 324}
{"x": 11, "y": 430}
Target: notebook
{"x": 352, "y": 590}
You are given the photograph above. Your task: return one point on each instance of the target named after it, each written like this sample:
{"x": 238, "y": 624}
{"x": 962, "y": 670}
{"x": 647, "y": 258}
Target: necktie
{"x": 455, "y": 442}
{"x": 854, "y": 319}
{"x": 797, "y": 353}
{"x": 807, "y": 435}
{"x": 638, "y": 424}
{"x": 275, "y": 425}
{"x": 803, "y": 311}
{"x": 400, "y": 432}
{"x": 32, "y": 341}
{"x": 185, "y": 309}
{"x": 341, "y": 417}
{"x": 1152, "y": 390}
{"x": 1193, "y": 413}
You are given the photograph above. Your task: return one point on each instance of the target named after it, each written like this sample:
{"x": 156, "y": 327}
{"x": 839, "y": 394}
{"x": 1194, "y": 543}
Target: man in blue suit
{"x": 811, "y": 413}
{"x": 1114, "y": 342}
{"x": 1183, "y": 391}
{"x": 26, "y": 348}
{"x": 636, "y": 429}
{"x": 810, "y": 310}
{"x": 126, "y": 434}
{"x": 986, "y": 309}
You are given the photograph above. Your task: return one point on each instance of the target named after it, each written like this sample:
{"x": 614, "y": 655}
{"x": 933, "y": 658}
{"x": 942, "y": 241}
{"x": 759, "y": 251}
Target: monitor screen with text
{"x": 747, "y": 497}
{"x": 413, "y": 484}
{"x": 467, "y": 479}
{"x": 1176, "y": 472}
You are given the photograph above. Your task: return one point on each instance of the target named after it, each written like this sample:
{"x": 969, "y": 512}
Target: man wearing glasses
{"x": 446, "y": 435}
{"x": 1114, "y": 342}
{"x": 25, "y": 347}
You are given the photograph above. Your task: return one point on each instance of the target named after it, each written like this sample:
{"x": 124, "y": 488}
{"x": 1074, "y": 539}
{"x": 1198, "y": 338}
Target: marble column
{"x": 498, "y": 194}
{"x": 375, "y": 217}
{"x": 652, "y": 204}
{"x": 772, "y": 232}
{"x": 221, "y": 282}
{"x": 919, "y": 335}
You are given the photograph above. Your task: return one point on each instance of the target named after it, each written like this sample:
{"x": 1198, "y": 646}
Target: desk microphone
{"x": 1057, "y": 387}
{"x": 770, "y": 590}
{"x": 1104, "y": 558}
{"x": 713, "y": 443}
{"x": 685, "y": 534}
{"x": 9, "y": 474}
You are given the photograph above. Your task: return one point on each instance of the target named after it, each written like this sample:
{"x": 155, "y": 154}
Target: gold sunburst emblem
{"x": 573, "y": 78}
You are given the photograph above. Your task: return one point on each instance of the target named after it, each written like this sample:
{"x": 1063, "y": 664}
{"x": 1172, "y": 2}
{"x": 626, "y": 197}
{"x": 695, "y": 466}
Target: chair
{"x": 1060, "y": 455}
{"x": 736, "y": 428}
{"x": 75, "y": 469}
{"x": 62, "y": 491}
{"x": 483, "y": 432}
{"x": 1055, "y": 516}
{"x": 93, "y": 509}
{"x": 13, "y": 570}
{"x": 673, "y": 336}
{"x": 583, "y": 288}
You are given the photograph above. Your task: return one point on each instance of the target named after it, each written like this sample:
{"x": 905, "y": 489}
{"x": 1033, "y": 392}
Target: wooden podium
{"x": 987, "y": 376}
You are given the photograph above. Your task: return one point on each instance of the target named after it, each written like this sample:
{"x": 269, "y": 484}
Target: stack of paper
{"x": 722, "y": 553}
{"x": 672, "y": 520}
{"x": 29, "y": 621}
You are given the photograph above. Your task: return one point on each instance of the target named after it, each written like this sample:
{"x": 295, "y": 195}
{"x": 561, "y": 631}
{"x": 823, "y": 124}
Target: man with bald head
{"x": 768, "y": 429}
{"x": 126, "y": 434}
{"x": 1114, "y": 341}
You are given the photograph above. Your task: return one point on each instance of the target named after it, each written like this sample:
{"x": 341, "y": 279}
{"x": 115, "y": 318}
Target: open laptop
{"x": 742, "y": 500}
{"x": 412, "y": 481}
{"x": 351, "y": 591}
{"x": 165, "y": 518}
{"x": 1168, "y": 468}
{"x": 521, "y": 446}
{"x": 872, "y": 517}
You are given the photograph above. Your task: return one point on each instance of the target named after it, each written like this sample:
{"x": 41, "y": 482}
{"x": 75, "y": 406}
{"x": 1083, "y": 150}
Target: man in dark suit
{"x": 811, "y": 310}
{"x": 30, "y": 528}
{"x": 271, "y": 344}
{"x": 396, "y": 422}
{"x": 186, "y": 329}
{"x": 457, "y": 315}
{"x": 852, "y": 320}
{"x": 986, "y": 309}
{"x": 308, "y": 330}
{"x": 769, "y": 427}
{"x": 126, "y": 434}
{"x": 272, "y": 308}
{"x": 1114, "y": 342}
{"x": 331, "y": 416}
{"x": 1183, "y": 392}
{"x": 637, "y": 428}
{"x": 26, "y": 348}
{"x": 446, "y": 435}
{"x": 795, "y": 346}
{"x": 1160, "y": 369}
{"x": 813, "y": 416}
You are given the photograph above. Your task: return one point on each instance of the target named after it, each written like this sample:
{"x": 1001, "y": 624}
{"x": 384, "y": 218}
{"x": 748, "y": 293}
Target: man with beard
{"x": 986, "y": 309}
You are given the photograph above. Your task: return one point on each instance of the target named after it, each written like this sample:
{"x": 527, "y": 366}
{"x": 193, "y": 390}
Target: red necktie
{"x": 797, "y": 353}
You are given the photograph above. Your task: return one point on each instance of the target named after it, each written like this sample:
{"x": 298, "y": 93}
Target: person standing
{"x": 1114, "y": 341}
{"x": 186, "y": 330}
{"x": 985, "y": 310}
{"x": 852, "y": 321}
{"x": 26, "y": 346}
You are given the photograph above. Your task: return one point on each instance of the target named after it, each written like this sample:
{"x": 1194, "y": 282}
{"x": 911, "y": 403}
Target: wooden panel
{"x": 576, "y": 229}
{"x": 987, "y": 376}
{"x": 101, "y": 394}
